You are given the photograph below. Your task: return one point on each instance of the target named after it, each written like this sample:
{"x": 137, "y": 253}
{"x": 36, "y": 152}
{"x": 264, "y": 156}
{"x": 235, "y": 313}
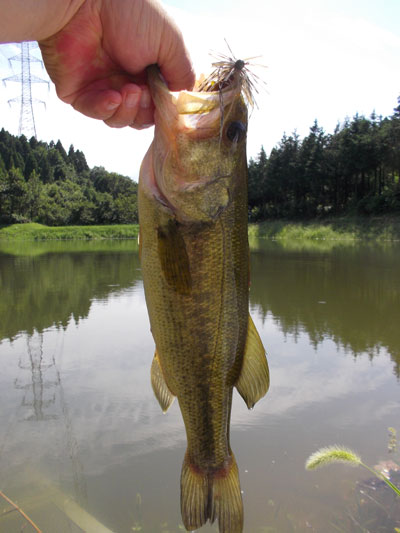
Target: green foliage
{"x": 355, "y": 170}
{"x": 392, "y": 445}
{"x": 41, "y": 182}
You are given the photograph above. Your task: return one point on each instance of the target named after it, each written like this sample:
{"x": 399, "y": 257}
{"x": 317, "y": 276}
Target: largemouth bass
{"x": 195, "y": 265}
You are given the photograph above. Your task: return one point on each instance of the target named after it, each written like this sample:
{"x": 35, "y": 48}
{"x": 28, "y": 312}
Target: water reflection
{"x": 347, "y": 293}
{"x": 350, "y": 294}
{"x": 38, "y": 387}
{"x": 50, "y": 284}
{"x": 78, "y": 409}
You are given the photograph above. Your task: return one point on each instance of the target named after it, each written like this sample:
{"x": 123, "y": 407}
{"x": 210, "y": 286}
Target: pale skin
{"x": 96, "y": 52}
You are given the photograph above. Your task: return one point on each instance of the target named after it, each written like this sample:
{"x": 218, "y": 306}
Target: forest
{"x": 353, "y": 171}
{"x": 41, "y": 182}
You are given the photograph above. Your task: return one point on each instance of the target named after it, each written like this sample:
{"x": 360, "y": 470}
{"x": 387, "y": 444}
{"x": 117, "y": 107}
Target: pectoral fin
{"x": 253, "y": 381}
{"x": 160, "y": 388}
{"x": 174, "y": 258}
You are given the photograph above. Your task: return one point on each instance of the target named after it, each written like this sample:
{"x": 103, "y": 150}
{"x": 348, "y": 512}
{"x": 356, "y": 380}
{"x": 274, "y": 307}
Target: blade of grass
{"x": 17, "y": 508}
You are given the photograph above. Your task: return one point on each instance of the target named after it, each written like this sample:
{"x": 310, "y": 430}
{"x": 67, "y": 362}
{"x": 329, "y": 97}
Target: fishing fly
{"x": 229, "y": 70}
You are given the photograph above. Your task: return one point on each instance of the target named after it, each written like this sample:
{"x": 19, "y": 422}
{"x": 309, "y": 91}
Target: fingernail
{"x": 112, "y": 105}
{"x": 131, "y": 99}
{"x": 145, "y": 100}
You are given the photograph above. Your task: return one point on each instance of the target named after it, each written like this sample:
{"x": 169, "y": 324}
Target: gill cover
{"x": 199, "y": 145}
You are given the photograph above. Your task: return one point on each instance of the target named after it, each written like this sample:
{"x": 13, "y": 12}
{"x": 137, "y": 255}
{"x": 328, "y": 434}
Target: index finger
{"x": 174, "y": 61}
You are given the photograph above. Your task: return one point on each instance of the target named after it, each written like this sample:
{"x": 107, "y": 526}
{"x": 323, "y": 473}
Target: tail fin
{"x": 207, "y": 496}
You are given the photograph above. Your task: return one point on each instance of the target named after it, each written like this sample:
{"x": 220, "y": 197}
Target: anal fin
{"x": 159, "y": 385}
{"x": 253, "y": 381}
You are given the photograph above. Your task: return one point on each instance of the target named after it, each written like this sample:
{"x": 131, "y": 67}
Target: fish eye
{"x": 236, "y": 131}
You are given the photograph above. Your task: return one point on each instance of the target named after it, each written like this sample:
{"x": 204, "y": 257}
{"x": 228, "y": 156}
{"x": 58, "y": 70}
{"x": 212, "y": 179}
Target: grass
{"x": 341, "y": 228}
{"x": 39, "y": 232}
{"x": 340, "y": 454}
{"x": 373, "y": 229}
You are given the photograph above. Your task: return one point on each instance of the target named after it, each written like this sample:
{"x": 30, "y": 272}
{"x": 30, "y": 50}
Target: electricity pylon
{"x": 26, "y": 78}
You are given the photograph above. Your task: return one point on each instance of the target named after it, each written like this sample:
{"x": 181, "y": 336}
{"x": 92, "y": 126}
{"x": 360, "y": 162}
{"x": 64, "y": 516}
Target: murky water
{"x": 78, "y": 418}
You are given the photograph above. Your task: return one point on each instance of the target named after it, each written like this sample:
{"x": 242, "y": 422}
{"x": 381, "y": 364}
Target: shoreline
{"x": 372, "y": 229}
{"x": 369, "y": 229}
{"x": 39, "y": 232}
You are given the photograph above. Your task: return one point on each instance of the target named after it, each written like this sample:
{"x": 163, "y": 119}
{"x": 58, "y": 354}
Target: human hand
{"x": 98, "y": 59}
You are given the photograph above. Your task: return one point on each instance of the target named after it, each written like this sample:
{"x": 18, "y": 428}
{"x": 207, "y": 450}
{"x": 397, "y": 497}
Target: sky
{"x": 324, "y": 60}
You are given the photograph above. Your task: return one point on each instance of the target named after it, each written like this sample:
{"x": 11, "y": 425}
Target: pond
{"x": 83, "y": 440}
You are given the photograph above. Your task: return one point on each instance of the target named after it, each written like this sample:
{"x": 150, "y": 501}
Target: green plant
{"x": 392, "y": 445}
{"x": 340, "y": 454}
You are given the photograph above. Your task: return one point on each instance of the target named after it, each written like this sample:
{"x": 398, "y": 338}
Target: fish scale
{"x": 194, "y": 256}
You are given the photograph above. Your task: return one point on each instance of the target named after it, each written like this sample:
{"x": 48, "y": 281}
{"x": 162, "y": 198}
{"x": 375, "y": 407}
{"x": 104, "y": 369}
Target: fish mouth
{"x": 197, "y": 112}
{"x": 186, "y": 179}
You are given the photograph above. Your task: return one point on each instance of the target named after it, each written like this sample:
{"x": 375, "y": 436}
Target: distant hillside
{"x": 41, "y": 182}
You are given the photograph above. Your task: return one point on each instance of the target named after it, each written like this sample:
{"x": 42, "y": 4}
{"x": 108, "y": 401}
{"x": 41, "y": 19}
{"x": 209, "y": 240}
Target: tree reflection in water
{"x": 347, "y": 293}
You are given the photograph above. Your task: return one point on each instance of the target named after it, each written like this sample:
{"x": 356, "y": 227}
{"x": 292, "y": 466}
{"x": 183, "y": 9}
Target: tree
{"x": 34, "y": 196}
{"x": 126, "y": 209}
{"x": 14, "y": 204}
{"x": 257, "y": 183}
{"x": 46, "y": 171}
{"x": 40, "y": 181}
{"x": 60, "y": 148}
{"x": 312, "y": 194}
{"x": 78, "y": 160}
{"x": 31, "y": 165}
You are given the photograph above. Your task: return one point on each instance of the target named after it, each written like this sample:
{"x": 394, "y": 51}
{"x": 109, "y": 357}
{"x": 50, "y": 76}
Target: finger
{"x": 175, "y": 63}
{"x": 136, "y": 109}
{"x": 145, "y": 115}
{"x": 126, "y": 112}
{"x": 179, "y": 75}
{"x": 98, "y": 104}
{"x": 144, "y": 119}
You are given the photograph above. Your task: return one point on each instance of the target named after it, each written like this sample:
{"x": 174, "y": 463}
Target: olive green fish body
{"x": 200, "y": 325}
{"x": 194, "y": 257}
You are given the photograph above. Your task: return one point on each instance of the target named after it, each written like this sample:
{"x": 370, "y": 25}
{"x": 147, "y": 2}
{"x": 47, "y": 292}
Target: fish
{"x": 194, "y": 257}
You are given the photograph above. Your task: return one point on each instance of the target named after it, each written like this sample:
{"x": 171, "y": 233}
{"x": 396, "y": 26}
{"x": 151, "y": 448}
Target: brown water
{"x": 78, "y": 414}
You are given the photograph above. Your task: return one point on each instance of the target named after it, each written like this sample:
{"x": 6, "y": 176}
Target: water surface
{"x": 78, "y": 416}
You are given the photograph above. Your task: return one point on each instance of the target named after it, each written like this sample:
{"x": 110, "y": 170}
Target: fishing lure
{"x": 229, "y": 70}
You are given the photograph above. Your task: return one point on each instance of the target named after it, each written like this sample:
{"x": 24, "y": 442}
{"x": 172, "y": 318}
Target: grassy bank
{"x": 38, "y": 232}
{"x": 340, "y": 229}
{"x": 344, "y": 229}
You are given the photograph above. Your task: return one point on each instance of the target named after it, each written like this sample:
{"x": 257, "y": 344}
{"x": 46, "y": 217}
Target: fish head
{"x": 199, "y": 149}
